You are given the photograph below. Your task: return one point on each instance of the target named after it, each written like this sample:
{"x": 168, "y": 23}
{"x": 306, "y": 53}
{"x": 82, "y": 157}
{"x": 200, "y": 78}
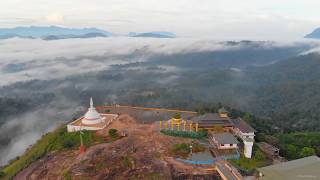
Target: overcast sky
{"x": 215, "y": 18}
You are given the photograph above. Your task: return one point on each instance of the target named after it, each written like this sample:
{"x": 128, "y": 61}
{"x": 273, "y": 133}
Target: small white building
{"x": 246, "y": 133}
{"x": 92, "y": 120}
{"x": 224, "y": 140}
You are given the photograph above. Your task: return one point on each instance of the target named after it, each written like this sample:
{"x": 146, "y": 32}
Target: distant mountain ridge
{"x": 89, "y": 35}
{"x": 153, "y": 34}
{"x": 56, "y": 33}
{"x": 42, "y": 31}
{"x": 314, "y": 34}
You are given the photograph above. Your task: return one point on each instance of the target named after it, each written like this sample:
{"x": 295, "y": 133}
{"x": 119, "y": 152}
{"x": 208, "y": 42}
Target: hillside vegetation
{"x": 57, "y": 140}
{"x": 299, "y": 145}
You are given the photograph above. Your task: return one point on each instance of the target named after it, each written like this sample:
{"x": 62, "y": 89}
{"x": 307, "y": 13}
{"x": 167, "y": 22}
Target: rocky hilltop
{"x": 143, "y": 153}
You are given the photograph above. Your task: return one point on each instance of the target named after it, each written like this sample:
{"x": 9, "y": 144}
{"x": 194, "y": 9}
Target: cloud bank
{"x": 28, "y": 59}
{"x": 25, "y": 130}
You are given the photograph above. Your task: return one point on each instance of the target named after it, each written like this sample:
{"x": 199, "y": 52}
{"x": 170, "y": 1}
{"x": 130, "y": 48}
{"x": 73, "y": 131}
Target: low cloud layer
{"x": 27, "y": 59}
{"x": 26, "y": 129}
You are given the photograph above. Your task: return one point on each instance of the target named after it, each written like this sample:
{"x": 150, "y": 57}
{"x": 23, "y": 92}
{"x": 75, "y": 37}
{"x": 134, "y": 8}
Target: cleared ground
{"x": 146, "y": 115}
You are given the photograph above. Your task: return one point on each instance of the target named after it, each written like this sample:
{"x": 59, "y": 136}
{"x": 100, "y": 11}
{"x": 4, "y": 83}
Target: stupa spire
{"x": 91, "y": 103}
{"x": 92, "y": 116}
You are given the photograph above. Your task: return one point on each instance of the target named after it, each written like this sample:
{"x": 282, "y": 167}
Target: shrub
{"x": 187, "y": 134}
{"x": 307, "y": 151}
{"x": 113, "y": 133}
{"x": 69, "y": 144}
{"x": 181, "y": 149}
{"x": 260, "y": 156}
{"x": 290, "y": 151}
{"x": 127, "y": 161}
{"x": 67, "y": 175}
{"x": 2, "y": 174}
{"x": 198, "y": 148}
{"x": 100, "y": 165}
{"x": 154, "y": 176}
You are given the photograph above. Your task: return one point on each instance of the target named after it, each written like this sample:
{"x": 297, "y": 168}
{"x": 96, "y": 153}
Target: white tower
{"x": 248, "y": 144}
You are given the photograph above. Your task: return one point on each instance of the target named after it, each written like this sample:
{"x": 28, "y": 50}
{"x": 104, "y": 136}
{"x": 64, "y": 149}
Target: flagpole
{"x": 82, "y": 148}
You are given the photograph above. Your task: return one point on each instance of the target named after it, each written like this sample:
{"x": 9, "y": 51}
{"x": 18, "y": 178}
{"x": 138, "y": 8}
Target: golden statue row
{"x": 179, "y": 124}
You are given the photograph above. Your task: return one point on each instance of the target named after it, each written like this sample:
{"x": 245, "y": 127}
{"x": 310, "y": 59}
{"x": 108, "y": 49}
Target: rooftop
{"x": 210, "y": 123}
{"x": 267, "y": 147}
{"x": 210, "y": 117}
{"x": 242, "y": 125}
{"x": 305, "y": 168}
{"x": 225, "y": 138}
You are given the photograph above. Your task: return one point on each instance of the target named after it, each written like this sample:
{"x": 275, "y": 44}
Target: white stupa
{"x": 92, "y": 116}
{"x": 92, "y": 120}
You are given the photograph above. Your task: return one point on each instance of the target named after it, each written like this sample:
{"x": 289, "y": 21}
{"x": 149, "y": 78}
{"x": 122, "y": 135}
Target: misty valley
{"x": 262, "y": 78}
{"x": 273, "y": 85}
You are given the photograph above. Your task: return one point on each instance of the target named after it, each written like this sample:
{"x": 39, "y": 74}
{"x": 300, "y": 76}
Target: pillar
{"x": 190, "y": 126}
{"x": 197, "y": 127}
{"x": 247, "y": 148}
{"x": 184, "y": 125}
{"x": 166, "y": 124}
{"x": 160, "y": 124}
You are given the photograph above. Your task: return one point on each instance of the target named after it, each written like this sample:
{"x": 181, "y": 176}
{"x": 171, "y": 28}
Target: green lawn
{"x": 258, "y": 160}
{"x": 246, "y": 163}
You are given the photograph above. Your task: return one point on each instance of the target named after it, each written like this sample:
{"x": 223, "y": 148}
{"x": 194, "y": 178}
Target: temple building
{"x": 92, "y": 120}
{"x": 178, "y": 123}
{"x": 223, "y": 140}
{"x": 212, "y": 122}
{"x": 216, "y": 123}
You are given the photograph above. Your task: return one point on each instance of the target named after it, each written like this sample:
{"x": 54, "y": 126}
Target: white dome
{"x": 92, "y": 116}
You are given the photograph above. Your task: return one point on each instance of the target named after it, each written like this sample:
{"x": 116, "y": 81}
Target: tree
{"x": 2, "y": 174}
{"x": 260, "y": 156}
{"x": 307, "y": 151}
{"x": 247, "y": 117}
{"x": 113, "y": 133}
{"x": 291, "y": 151}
